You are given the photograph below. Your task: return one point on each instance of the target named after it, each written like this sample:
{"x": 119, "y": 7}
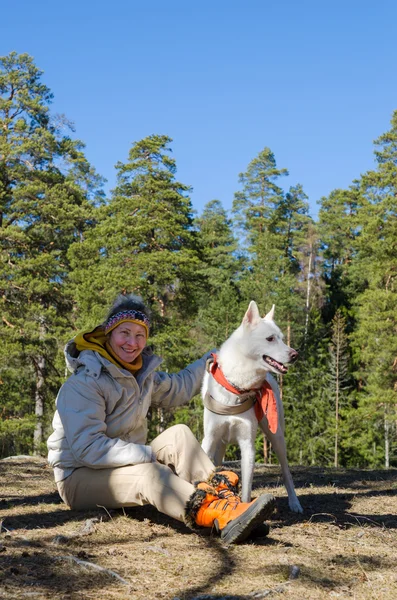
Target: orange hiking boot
{"x": 233, "y": 520}
{"x": 221, "y": 480}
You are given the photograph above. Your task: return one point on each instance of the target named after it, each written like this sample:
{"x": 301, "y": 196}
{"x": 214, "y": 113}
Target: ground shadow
{"x": 12, "y": 501}
{"x": 335, "y": 507}
{"x": 305, "y": 477}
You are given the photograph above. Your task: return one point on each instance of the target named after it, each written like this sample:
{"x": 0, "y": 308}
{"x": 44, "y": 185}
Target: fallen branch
{"x": 358, "y": 517}
{"x": 90, "y": 565}
{"x": 256, "y": 595}
{"x": 323, "y": 515}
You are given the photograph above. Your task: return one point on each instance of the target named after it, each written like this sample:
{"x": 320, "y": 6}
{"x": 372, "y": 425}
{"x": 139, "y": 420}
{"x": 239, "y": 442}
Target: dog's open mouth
{"x": 276, "y": 365}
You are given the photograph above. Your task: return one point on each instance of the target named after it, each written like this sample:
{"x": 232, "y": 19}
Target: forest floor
{"x": 343, "y": 546}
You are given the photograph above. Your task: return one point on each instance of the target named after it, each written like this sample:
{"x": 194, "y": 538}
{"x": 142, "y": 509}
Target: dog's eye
{"x": 271, "y": 338}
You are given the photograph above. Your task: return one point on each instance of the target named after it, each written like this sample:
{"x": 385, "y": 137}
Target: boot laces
{"x": 227, "y": 499}
{"x": 228, "y": 494}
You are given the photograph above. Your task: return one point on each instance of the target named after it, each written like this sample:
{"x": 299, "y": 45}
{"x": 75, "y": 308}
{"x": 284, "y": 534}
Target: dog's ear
{"x": 270, "y": 314}
{"x": 252, "y": 316}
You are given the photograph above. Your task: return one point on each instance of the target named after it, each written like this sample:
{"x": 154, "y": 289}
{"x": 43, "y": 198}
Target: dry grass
{"x": 344, "y": 546}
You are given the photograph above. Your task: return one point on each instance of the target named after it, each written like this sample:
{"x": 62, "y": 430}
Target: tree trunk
{"x": 40, "y": 365}
{"x": 387, "y": 441}
{"x": 308, "y": 283}
{"x": 336, "y": 410}
{"x": 39, "y": 406}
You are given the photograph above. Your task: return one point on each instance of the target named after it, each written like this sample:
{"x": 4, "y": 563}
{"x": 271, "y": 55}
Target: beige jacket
{"x": 100, "y": 421}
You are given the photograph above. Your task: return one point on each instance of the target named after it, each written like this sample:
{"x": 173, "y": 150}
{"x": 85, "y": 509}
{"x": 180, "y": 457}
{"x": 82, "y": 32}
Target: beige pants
{"x": 166, "y": 484}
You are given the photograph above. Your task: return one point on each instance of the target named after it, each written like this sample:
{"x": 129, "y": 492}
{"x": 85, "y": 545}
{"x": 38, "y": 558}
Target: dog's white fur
{"x": 241, "y": 358}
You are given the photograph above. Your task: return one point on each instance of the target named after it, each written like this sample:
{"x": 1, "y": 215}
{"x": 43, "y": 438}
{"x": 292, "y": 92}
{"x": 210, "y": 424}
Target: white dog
{"x": 239, "y": 392}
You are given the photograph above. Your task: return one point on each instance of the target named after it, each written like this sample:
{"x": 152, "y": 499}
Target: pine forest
{"x": 67, "y": 249}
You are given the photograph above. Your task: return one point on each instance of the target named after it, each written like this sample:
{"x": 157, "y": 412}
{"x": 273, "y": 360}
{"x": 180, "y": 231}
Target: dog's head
{"x": 262, "y": 341}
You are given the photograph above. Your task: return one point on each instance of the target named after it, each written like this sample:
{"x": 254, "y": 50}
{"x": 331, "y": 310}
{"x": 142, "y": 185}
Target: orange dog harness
{"x": 265, "y": 404}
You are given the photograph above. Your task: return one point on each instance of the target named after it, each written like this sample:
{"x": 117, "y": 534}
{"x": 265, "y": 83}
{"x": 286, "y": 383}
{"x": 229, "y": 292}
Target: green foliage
{"x": 340, "y": 228}
{"x": 219, "y": 312}
{"x": 43, "y": 208}
{"x": 307, "y": 407}
{"x": 260, "y": 196}
{"x": 143, "y": 240}
{"x": 275, "y": 226}
{"x": 339, "y": 378}
{"x": 16, "y": 435}
{"x": 66, "y": 252}
{"x": 192, "y": 416}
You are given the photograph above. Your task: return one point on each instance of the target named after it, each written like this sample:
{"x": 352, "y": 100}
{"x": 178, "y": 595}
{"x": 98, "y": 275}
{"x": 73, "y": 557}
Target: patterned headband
{"x": 135, "y": 316}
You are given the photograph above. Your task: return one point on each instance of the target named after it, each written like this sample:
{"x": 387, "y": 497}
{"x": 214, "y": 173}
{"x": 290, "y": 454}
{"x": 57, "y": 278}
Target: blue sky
{"x": 314, "y": 81}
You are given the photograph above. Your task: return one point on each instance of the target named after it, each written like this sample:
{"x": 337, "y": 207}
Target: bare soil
{"x": 343, "y": 546}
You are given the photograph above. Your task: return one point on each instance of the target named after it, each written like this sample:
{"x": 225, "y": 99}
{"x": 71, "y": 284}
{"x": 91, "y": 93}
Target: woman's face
{"x": 127, "y": 341}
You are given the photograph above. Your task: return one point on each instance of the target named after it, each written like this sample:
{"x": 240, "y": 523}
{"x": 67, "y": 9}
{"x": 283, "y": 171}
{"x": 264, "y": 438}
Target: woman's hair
{"x": 129, "y": 304}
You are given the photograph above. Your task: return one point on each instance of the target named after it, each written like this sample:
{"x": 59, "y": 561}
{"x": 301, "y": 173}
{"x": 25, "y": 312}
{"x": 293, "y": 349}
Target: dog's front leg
{"x": 213, "y": 443}
{"x": 247, "y": 449}
{"x": 214, "y": 449}
{"x": 277, "y": 441}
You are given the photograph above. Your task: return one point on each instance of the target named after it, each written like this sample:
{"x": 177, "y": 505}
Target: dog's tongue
{"x": 266, "y": 406}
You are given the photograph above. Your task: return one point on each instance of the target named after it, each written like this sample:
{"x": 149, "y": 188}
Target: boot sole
{"x": 239, "y": 529}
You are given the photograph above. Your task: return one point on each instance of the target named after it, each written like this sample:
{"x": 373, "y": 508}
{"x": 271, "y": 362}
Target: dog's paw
{"x": 295, "y": 505}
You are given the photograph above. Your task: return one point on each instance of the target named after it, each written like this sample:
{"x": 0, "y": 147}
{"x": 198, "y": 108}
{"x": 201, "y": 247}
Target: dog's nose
{"x": 293, "y": 355}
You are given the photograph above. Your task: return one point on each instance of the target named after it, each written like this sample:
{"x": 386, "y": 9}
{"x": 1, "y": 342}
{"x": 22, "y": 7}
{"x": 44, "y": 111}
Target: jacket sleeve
{"x": 82, "y": 411}
{"x": 177, "y": 389}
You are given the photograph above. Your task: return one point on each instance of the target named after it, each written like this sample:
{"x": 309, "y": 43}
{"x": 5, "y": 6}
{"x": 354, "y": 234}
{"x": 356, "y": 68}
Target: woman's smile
{"x": 127, "y": 340}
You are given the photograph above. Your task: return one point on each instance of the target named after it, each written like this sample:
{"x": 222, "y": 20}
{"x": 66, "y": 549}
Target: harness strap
{"x": 228, "y": 409}
{"x": 265, "y": 401}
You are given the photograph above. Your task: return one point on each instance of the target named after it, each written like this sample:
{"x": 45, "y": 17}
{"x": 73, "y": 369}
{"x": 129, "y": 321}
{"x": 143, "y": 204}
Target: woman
{"x": 99, "y": 448}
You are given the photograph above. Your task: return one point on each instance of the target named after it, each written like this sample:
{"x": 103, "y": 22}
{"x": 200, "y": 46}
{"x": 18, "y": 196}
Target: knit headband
{"x": 135, "y": 316}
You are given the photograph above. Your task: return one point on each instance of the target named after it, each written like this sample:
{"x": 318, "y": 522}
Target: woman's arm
{"x": 179, "y": 388}
{"x": 82, "y": 411}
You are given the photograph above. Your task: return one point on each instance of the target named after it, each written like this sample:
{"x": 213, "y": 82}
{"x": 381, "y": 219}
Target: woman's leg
{"x": 135, "y": 485}
{"x": 178, "y": 448}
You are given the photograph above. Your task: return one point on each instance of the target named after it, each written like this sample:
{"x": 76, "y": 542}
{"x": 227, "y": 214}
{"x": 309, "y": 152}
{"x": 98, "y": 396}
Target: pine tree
{"x": 143, "y": 240}
{"x": 274, "y": 225}
{"x": 45, "y": 183}
{"x": 260, "y": 196}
